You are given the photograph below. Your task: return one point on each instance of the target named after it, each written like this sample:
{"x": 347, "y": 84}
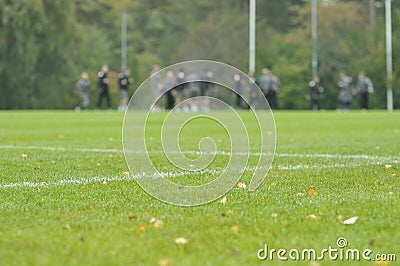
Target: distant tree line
{"x": 46, "y": 44}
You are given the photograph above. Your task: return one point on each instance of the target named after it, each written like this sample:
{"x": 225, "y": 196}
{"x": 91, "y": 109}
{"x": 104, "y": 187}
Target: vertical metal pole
{"x": 314, "y": 36}
{"x": 124, "y": 32}
{"x": 252, "y": 36}
{"x": 389, "y": 62}
{"x": 372, "y": 12}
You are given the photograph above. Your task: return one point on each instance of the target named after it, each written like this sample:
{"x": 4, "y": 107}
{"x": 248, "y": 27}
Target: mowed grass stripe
{"x": 109, "y": 224}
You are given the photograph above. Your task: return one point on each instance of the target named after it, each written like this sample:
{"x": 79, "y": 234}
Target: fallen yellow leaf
{"x": 157, "y": 223}
{"x": 164, "y": 262}
{"x": 382, "y": 262}
{"x": 235, "y": 229}
{"x": 312, "y": 192}
{"x": 241, "y": 185}
{"x": 24, "y": 155}
{"x": 181, "y": 241}
{"x": 312, "y": 217}
{"x": 141, "y": 228}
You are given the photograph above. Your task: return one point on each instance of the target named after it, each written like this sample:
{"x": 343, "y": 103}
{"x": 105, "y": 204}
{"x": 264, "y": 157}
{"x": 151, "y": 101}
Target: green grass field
{"x": 66, "y": 198}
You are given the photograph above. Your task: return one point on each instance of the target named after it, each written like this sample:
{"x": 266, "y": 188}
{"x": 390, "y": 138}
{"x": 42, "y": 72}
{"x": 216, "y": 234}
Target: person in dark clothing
{"x": 124, "y": 80}
{"x": 252, "y": 89}
{"x": 365, "y": 87}
{"x": 270, "y": 86}
{"x": 205, "y": 85}
{"x": 103, "y": 84}
{"x": 168, "y": 83}
{"x": 239, "y": 86}
{"x": 315, "y": 89}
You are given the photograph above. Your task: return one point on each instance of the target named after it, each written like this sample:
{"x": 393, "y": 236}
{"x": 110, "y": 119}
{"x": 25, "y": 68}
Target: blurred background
{"x": 46, "y": 44}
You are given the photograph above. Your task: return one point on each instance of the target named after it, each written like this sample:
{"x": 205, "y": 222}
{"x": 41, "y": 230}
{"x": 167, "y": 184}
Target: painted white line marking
{"x": 284, "y": 155}
{"x": 174, "y": 174}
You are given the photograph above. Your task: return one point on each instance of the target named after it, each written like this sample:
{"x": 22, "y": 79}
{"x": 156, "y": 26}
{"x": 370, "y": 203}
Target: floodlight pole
{"x": 252, "y": 36}
{"x": 389, "y": 61}
{"x": 314, "y": 36}
{"x": 124, "y": 45}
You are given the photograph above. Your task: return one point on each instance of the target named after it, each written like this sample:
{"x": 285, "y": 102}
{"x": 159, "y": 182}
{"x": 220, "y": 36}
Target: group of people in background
{"x": 186, "y": 86}
{"x": 346, "y": 91}
{"x": 103, "y": 86}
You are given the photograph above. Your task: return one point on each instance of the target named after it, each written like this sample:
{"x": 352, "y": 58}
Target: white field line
{"x": 83, "y": 181}
{"x": 294, "y": 155}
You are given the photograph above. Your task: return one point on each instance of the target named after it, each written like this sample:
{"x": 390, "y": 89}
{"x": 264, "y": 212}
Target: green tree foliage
{"x": 46, "y": 44}
{"x": 37, "y": 41}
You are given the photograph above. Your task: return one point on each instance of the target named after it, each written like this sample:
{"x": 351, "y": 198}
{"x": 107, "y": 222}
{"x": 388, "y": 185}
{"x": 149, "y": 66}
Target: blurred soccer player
{"x": 365, "y": 86}
{"x": 84, "y": 88}
{"x": 124, "y": 80}
{"x": 315, "y": 89}
{"x": 346, "y": 91}
{"x": 103, "y": 84}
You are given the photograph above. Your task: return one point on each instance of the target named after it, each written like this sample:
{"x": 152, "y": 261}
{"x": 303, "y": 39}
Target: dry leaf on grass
{"x": 141, "y": 228}
{"x": 181, "y": 241}
{"x": 388, "y": 166}
{"x": 132, "y": 217}
{"x": 223, "y": 200}
{"x": 157, "y": 223}
{"x": 382, "y": 262}
{"x": 24, "y": 155}
{"x": 312, "y": 217}
{"x": 235, "y": 229}
{"x": 351, "y": 220}
{"x": 164, "y": 262}
{"x": 241, "y": 185}
{"x": 235, "y": 251}
{"x": 312, "y": 192}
